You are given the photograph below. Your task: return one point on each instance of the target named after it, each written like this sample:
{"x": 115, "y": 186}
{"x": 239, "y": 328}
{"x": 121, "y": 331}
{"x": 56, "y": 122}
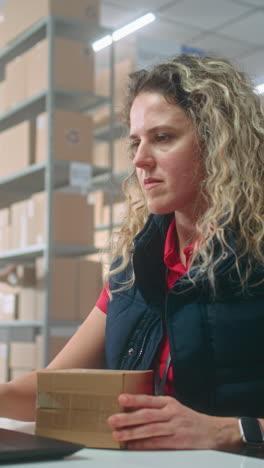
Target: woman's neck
{"x": 186, "y": 233}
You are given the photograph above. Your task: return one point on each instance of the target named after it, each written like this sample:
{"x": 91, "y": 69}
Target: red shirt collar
{"x": 171, "y": 256}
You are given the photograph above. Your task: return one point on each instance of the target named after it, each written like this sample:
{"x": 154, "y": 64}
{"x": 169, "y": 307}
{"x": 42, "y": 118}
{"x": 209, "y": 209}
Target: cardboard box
{"x": 73, "y": 66}
{"x": 72, "y": 137}
{"x": 121, "y": 161}
{"x": 15, "y": 89}
{"x": 74, "y": 404}
{"x": 4, "y": 229}
{"x": 89, "y": 286}
{"x": 72, "y": 219}
{"x": 4, "y": 217}
{"x": 21, "y": 15}
{"x": 64, "y": 279}
{"x": 82, "y": 284}
{"x": 17, "y": 145}
{"x": 102, "y": 87}
{"x": 22, "y": 223}
{"x": 8, "y": 302}
{"x": 22, "y": 355}
{"x": 4, "y": 238}
{"x": 27, "y": 304}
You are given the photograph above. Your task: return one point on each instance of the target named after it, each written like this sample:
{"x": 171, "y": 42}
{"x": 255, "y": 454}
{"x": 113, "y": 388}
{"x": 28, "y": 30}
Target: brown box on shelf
{"x": 4, "y": 238}
{"x": 89, "y": 286}
{"x": 72, "y": 219}
{"x": 64, "y": 280}
{"x": 8, "y": 302}
{"x": 72, "y": 137}
{"x": 4, "y": 229}
{"x": 21, "y": 224}
{"x": 73, "y": 66}
{"x": 27, "y": 304}
{"x": 4, "y": 217}
{"x": 74, "y": 404}
{"x": 121, "y": 161}
{"x": 17, "y": 148}
{"x": 15, "y": 89}
{"x": 21, "y": 15}
{"x": 101, "y": 155}
{"x": 102, "y": 83}
{"x": 96, "y": 199}
{"x": 22, "y": 355}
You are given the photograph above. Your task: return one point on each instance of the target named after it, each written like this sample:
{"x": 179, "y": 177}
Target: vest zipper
{"x": 143, "y": 344}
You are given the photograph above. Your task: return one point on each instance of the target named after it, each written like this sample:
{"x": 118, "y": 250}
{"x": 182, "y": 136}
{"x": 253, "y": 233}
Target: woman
{"x": 187, "y": 271}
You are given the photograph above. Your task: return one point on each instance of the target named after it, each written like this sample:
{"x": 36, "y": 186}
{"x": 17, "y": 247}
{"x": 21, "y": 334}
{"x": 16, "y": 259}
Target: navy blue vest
{"x": 216, "y": 342}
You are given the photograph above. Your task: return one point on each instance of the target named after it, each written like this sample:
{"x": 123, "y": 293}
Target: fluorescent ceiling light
{"x": 259, "y": 89}
{"x": 102, "y": 43}
{"x": 124, "y": 31}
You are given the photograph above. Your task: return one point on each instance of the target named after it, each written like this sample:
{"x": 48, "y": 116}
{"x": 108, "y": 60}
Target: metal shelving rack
{"x": 52, "y": 175}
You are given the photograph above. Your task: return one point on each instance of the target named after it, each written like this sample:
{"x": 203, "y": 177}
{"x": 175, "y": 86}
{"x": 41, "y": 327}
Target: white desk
{"x": 92, "y": 458}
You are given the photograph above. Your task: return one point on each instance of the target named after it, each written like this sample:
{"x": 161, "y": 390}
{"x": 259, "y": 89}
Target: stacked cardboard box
{"x": 8, "y": 302}
{"x": 102, "y": 87}
{"x": 32, "y": 69}
{"x": 21, "y": 15}
{"x": 72, "y": 137}
{"x": 101, "y": 201}
{"x": 75, "y": 287}
{"x": 72, "y": 220}
{"x": 74, "y": 404}
{"x": 27, "y": 143}
{"x": 17, "y": 148}
{"x": 121, "y": 161}
{"x": 25, "y": 357}
{"x": 4, "y": 229}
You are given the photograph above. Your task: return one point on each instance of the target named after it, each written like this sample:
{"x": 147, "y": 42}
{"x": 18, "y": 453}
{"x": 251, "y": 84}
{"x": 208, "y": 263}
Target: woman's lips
{"x": 150, "y": 182}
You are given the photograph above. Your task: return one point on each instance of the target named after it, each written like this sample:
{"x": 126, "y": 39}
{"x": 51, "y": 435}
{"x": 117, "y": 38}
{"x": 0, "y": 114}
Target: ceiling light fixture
{"x": 124, "y": 31}
{"x": 260, "y": 88}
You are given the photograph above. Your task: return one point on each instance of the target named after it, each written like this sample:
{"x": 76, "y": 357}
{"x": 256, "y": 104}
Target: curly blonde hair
{"x": 229, "y": 121}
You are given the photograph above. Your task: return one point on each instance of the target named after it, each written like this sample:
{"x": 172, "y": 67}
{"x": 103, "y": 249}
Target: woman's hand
{"x": 161, "y": 422}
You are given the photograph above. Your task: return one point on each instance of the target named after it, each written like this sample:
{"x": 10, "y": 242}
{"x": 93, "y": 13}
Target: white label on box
{"x": 80, "y": 175}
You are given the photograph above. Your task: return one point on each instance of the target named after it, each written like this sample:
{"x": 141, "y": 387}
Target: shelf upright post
{"x": 112, "y": 131}
{"x": 49, "y": 183}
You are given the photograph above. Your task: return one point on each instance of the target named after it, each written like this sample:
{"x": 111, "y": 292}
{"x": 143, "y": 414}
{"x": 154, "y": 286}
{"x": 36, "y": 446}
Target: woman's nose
{"x": 143, "y": 156}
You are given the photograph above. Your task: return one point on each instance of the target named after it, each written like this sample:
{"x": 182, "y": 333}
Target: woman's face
{"x": 165, "y": 153}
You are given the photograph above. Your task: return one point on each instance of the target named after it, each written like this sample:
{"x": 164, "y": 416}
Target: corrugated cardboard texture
{"x": 74, "y": 404}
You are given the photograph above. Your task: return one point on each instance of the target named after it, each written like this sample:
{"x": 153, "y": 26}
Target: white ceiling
{"x": 230, "y": 28}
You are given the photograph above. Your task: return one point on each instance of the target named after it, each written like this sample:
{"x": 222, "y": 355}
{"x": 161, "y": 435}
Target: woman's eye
{"x": 162, "y": 137}
{"x": 133, "y": 145}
